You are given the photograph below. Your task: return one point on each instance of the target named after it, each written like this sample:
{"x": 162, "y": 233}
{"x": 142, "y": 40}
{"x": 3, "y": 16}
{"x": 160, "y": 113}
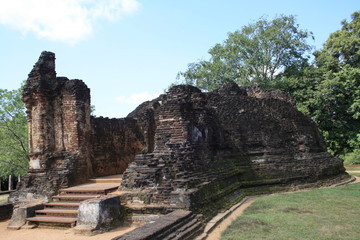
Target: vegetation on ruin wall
{"x": 327, "y": 213}
{"x": 13, "y": 135}
{"x": 274, "y": 54}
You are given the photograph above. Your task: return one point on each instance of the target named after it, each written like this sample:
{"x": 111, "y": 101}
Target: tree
{"x": 343, "y": 47}
{"x": 329, "y": 91}
{"x": 256, "y": 53}
{"x": 338, "y": 95}
{"x": 13, "y": 134}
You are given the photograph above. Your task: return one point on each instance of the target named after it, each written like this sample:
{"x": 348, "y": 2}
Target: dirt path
{"x": 216, "y": 233}
{"x": 357, "y": 180}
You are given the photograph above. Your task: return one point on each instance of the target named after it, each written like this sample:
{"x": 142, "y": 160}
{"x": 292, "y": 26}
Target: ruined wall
{"x": 184, "y": 130}
{"x": 185, "y": 148}
{"x": 279, "y": 140}
{"x": 66, "y": 145}
{"x": 208, "y": 145}
{"x": 115, "y": 142}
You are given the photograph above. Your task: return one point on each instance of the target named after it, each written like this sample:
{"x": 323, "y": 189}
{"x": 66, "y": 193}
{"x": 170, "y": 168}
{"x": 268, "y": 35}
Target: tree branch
{"x": 17, "y": 138}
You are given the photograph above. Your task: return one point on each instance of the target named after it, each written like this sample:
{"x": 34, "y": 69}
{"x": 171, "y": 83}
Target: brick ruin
{"x": 186, "y": 148}
{"x": 67, "y": 146}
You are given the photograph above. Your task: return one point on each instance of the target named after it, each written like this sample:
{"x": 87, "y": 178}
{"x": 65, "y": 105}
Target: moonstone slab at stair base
{"x": 99, "y": 214}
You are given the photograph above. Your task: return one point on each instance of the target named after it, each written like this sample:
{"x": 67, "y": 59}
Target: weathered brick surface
{"x": 67, "y": 146}
{"x": 220, "y": 141}
{"x": 184, "y": 148}
{"x": 59, "y": 132}
{"x": 115, "y": 142}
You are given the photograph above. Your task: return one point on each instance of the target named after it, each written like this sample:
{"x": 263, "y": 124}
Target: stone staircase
{"x": 63, "y": 209}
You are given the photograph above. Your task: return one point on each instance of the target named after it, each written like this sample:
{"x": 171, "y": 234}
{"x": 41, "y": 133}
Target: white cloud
{"x": 137, "y": 98}
{"x": 62, "y": 20}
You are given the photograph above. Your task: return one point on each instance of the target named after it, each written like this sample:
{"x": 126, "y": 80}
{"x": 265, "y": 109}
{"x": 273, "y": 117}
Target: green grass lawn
{"x": 327, "y": 213}
{"x": 4, "y": 198}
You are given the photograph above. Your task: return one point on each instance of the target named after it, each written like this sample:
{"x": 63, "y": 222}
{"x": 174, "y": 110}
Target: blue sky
{"x": 128, "y": 51}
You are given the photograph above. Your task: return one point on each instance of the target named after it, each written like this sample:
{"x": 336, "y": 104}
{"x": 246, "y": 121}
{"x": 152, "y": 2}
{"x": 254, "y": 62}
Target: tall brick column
{"x": 58, "y": 112}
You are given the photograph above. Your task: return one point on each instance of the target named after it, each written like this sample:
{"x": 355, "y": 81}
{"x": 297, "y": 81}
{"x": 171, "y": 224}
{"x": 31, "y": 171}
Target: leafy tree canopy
{"x": 343, "y": 47}
{"x": 13, "y": 134}
{"x": 329, "y": 91}
{"x": 256, "y": 53}
{"x": 336, "y": 102}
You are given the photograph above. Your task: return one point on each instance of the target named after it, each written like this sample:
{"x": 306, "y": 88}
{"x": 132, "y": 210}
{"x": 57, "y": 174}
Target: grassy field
{"x": 4, "y": 198}
{"x": 327, "y": 213}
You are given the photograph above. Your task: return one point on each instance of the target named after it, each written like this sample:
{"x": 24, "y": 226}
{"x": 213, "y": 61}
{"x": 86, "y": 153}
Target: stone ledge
{"x": 153, "y": 230}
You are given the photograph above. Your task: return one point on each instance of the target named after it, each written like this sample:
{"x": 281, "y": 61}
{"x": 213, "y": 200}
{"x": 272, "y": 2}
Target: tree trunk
{"x": 10, "y": 183}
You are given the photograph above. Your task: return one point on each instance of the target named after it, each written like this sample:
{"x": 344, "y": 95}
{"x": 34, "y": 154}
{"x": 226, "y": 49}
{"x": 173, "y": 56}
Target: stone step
{"x": 63, "y": 204}
{"x": 161, "y": 228}
{"x": 75, "y": 196}
{"x": 108, "y": 179}
{"x": 104, "y": 180}
{"x": 49, "y": 219}
{"x": 63, "y": 209}
{"x": 179, "y": 227}
{"x": 57, "y": 211}
{"x": 101, "y": 188}
{"x": 188, "y": 231}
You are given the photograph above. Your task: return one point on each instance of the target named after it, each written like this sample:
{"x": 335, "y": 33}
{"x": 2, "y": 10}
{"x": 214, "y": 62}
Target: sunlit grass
{"x": 4, "y": 198}
{"x": 327, "y": 213}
